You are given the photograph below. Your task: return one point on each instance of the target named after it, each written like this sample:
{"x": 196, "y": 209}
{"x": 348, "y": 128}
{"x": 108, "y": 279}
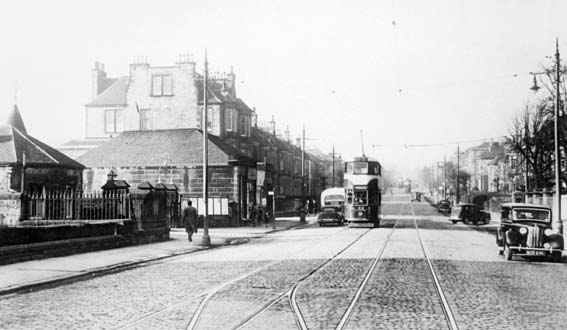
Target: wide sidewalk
{"x": 27, "y": 275}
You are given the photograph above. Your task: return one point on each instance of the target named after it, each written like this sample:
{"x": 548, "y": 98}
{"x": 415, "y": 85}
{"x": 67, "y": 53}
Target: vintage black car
{"x": 443, "y": 206}
{"x": 526, "y": 230}
{"x": 331, "y": 214}
{"x": 469, "y": 213}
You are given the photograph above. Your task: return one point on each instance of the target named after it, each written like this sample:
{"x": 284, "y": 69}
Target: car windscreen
{"x": 532, "y": 215}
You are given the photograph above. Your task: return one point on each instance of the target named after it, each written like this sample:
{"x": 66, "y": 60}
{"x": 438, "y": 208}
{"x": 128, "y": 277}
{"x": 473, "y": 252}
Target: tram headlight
{"x": 360, "y": 213}
{"x": 523, "y": 230}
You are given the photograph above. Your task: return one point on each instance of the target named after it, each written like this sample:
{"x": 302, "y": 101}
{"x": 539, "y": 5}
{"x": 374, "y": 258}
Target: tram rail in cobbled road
{"x": 206, "y": 296}
{"x": 291, "y": 293}
{"x": 444, "y": 303}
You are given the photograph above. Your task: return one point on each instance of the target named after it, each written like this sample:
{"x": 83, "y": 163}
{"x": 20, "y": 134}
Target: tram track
{"x": 207, "y": 295}
{"x": 291, "y": 293}
{"x": 450, "y": 318}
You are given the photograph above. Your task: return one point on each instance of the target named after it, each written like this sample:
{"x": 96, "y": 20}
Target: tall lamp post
{"x": 206, "y": 239}
{"x": 557, "y": 155}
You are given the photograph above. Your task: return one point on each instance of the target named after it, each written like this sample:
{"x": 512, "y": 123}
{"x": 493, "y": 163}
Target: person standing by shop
{"x": 190, "y": 220}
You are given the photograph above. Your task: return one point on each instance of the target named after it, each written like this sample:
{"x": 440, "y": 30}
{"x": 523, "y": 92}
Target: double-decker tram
{"x": 362, "y": 182}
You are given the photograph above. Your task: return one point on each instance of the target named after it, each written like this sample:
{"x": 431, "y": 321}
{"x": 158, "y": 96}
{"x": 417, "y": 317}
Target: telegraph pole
{"x": 458, "y": 184}
{"x": 333, "y": 165}
{"x": 302, "y": 211}
{"x": 444, "y": 177}
{"x": 206, "y": 240}
{"x": 556, "y": 137}
{"x": 526, "y": 183}
{"x": 437, "y": 182}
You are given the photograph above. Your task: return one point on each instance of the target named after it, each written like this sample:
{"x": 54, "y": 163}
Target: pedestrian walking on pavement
{"x": 266, "y": 216}
{"x": 190, "y": 220}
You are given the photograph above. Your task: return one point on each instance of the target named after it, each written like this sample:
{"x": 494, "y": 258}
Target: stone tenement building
{"x": 147, "y": 128}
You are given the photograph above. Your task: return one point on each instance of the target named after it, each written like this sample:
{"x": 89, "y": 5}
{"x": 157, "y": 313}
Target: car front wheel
{"x": 454, "y": 222}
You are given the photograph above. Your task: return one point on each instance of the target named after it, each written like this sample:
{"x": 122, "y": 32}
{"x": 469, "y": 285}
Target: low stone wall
{"x": 25, "y": 252}
{"x": 47, "y": 242}
{"x": 10, "y": 208}
{"x": 30, "y": 235}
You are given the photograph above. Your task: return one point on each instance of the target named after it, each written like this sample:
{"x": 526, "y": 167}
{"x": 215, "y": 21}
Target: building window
{"x": 230, "y": 120}
{"x": 113, "y": 120}
{"x": 145, "y": 120}
{"x": 245, "y": 125}
{"x": 162, "y": 85}
{"x": 210, "y": 118}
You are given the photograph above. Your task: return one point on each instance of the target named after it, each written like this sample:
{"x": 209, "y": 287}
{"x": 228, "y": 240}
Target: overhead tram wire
{"x": 437, "y": 144}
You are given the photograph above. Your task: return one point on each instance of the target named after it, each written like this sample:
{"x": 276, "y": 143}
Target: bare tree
{"x": 531, "y": 136}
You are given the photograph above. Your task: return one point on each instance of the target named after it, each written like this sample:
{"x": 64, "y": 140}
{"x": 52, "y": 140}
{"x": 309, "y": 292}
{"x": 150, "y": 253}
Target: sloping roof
{"x": 16, "y": 143}
{"x": 497, "y": 160}
{"x": 114, "y": 95}
{"x": 177, "y": 147}
{"x": 320, "y": 156}
{"x": 15, "y": 119}
{"x": 218, "y": 94}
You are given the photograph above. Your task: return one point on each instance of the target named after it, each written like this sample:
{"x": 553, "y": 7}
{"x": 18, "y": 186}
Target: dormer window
{"x": 162, "y": 85}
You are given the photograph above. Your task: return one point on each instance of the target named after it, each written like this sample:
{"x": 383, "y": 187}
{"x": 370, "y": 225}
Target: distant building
{"x": 489, "y": 165}
{"x": 132, "y": 124}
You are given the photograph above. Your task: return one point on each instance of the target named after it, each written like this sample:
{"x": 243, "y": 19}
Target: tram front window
{"x": 360, "y": 198}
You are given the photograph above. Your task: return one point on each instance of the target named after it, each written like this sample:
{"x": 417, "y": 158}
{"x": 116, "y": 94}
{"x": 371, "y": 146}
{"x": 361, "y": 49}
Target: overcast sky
{"x": 404, "y": 72}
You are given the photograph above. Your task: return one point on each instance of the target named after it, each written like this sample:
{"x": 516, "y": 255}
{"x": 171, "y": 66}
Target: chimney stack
{"x": 186, "y": 62}
{"x": 273, "y": 126}
{"x": 98, "y": 76}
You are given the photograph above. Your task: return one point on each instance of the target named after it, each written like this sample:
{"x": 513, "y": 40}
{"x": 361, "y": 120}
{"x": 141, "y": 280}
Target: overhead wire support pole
{"x": 302, "y": 211}
{"x": 458, "y": 183}
{"x": 333, "y": 165}
{"x": 556, "y": 137}
{"x": 444, "y": 177}
{"x": 362, "y": 143}
{"x": 206, "y": 240}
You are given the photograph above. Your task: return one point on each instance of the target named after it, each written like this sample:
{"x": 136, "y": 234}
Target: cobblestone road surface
{"x": 483, "y": 290}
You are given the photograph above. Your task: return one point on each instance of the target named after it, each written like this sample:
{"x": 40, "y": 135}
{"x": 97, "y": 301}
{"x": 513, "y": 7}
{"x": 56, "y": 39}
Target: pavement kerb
{"x": 130, "y": 264}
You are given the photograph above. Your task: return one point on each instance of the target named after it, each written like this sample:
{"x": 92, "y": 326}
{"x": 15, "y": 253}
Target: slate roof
{"x": 177, "y": 147}
{"x": 113, "y": 95}
{"x": 217, "y": 95}
{"x": 14, "y": 144}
